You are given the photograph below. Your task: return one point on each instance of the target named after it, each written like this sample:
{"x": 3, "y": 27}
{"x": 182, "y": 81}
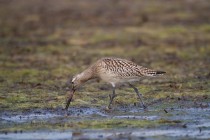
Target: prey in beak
{"x": 70, "y": 96}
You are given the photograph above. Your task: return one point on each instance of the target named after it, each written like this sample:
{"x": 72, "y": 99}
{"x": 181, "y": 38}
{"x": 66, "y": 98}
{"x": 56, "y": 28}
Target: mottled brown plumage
{"x": 114, "y": 71}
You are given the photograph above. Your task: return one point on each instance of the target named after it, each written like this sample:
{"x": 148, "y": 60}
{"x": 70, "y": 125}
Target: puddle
{"x": 202, "y": 124}
{"x": 37, "y": 136}
{"x": 85, "y": 111}
{"x": 30, "y": 117}
{"x": 110, "y": 134}
{"x": 137, "y": 117}
{"x": 191, "y": 133}
{"x": 49, "y": 114}
{"x": 196, "y": 121}
{"x": 190, "y": 114}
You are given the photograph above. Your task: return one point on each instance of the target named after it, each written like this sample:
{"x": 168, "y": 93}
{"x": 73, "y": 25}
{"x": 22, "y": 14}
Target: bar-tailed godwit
{"x": 113, "y": 71}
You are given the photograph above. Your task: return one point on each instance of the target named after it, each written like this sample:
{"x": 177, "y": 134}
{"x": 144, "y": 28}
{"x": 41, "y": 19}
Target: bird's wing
{"x": 126, "y": 68}
{"x": 122, "y": 67}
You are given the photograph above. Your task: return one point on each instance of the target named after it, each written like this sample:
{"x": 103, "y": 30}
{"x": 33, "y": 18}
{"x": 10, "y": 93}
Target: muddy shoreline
{"x": 95, "y": 123}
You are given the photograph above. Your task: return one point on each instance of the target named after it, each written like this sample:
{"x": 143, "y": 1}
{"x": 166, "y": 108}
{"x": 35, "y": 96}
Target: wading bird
{"x": 113, "y": 71}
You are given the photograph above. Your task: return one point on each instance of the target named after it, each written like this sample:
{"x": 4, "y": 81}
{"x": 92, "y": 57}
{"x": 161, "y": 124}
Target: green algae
{"x": 90, "y": 124}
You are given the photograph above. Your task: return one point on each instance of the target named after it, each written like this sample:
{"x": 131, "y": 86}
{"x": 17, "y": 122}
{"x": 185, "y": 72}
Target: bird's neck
{"x": 86, "y": 75}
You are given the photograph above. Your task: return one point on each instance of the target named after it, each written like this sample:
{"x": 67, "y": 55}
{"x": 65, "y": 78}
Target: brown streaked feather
{"x": 125, "y": 68}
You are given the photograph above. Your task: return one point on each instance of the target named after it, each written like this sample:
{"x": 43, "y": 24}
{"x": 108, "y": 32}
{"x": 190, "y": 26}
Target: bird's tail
{"x": 149, "y": 72}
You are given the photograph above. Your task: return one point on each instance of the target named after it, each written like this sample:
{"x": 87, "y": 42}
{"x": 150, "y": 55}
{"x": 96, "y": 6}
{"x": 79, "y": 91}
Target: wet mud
{"x": 177, "y": 123}
{"x": 43, "y": 44}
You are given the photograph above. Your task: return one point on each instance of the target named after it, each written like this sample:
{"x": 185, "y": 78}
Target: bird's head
{"x": 76, "y": 82}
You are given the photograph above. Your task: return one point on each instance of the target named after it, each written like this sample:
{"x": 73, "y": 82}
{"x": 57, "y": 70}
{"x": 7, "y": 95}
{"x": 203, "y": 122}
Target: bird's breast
{"x": 113, "y": 77}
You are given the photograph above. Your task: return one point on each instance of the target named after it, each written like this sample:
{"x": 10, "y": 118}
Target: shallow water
{"x": 113, "y": 134}
{"x": 29, "y": 117}
{"x": 195, "y": 124}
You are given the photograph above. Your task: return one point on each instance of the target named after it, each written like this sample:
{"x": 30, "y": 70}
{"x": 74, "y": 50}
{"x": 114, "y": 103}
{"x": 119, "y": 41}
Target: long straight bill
{"x": 71, "y": 93}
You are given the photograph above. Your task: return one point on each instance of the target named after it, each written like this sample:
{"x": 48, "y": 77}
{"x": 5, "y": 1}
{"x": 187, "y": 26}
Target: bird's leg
{"x": 111, "y": 96}
{"x": 138, "y": 94}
